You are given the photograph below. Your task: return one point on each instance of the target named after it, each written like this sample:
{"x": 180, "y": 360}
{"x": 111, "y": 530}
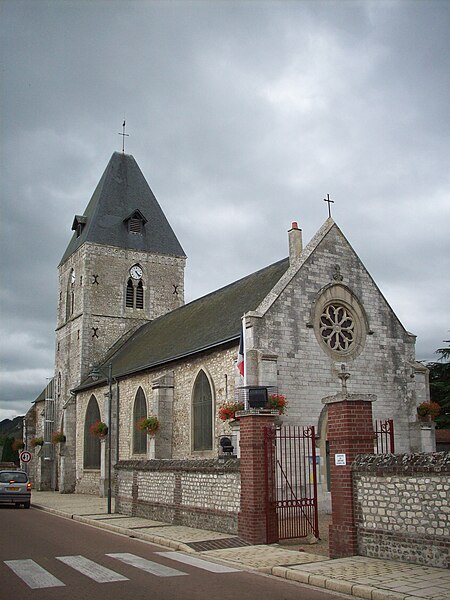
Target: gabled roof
{"x": 121, "y": 191}
{"x": 200, "y": 325}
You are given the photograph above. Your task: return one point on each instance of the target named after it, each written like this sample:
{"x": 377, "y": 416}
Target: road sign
{"x": 25, "y": 456}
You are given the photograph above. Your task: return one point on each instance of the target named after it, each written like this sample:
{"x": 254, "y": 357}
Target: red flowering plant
{"x": 277, "y": 402}
{"x": 429, "y": 409}
{"x": 99, "y": 429}
{"x": 227, "y": 410}
{"x": 37, "y": 441}
{"x": 58, "y": 437}
{"x": 148, "y": 424}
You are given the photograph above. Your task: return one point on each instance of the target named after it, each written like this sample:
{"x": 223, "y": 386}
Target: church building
{"x": 127, "y": 346}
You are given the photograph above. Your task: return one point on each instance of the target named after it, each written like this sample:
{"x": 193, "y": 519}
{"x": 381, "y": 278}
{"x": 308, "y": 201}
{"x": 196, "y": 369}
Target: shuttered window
{"x": 134, "y": 296}
{"x": 135, "y": 225}
{"x": 140, "y": 295}
{"x": 202, "y": 413}
{"x": 130, "y": 294}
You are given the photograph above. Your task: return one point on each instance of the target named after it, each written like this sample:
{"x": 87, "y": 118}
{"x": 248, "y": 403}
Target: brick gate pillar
{"x": 350, "y": 432}
{"x": 254, "y": 525}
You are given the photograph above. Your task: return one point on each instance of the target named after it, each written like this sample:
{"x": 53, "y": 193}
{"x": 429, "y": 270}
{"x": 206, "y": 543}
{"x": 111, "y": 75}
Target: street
{"x": 44, "y": 556}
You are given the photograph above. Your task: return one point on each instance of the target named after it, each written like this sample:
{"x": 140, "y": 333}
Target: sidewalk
{"x": 358, "y": 576}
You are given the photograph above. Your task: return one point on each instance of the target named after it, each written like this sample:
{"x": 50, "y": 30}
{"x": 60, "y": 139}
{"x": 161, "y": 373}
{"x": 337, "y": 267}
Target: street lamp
{"x": 95, "y": 376}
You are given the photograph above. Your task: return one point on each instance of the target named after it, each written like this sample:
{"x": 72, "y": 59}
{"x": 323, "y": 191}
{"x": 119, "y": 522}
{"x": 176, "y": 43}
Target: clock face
{"x": 136, "y": 272}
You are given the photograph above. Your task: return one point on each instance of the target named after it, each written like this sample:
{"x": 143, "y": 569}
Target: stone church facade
{"x": 306, "y": 319}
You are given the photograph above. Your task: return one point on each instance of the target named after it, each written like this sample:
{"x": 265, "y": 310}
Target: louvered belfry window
{"x": 140, "y": 295}
{"x": 134, "y": 297}
{"x": 202, "y": 413}
{"x": 130, "y": 294}
{"x": 135, "y": 225}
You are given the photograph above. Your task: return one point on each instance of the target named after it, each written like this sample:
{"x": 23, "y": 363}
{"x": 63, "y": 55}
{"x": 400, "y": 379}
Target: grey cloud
{"x": 242, "y": 116}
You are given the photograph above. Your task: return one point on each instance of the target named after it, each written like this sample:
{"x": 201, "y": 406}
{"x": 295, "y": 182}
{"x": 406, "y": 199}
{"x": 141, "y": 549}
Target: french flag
{"x": 240, "y": 359}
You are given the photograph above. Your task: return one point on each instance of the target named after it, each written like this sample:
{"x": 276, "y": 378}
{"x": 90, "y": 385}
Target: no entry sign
{"x": 25, "y": 456}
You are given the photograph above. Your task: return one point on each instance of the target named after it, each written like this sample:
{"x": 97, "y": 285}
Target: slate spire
{"x": 124, "y": 212}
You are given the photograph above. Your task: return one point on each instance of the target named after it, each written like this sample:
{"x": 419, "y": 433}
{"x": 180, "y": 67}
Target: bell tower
{"x": 123, "y": 267}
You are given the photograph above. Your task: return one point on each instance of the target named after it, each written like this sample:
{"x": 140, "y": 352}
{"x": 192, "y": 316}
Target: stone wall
{"x": 285, "y": 327}
{"x": 402, "y": 507}
{"x": 196, "y": 493}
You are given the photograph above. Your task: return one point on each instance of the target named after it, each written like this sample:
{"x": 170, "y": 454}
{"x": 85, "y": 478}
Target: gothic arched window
{"x": 134, "y": 295}
{"x": 91, "y": 442}
{"x": 202, "y": 405}
{"x": 139, "y": 412}
{"x": 70, "y": 295}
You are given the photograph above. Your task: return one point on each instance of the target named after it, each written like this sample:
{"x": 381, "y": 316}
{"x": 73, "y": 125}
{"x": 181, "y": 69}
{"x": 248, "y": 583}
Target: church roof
{"x": 201, "y": 325}
{"x": 121, "y": 193}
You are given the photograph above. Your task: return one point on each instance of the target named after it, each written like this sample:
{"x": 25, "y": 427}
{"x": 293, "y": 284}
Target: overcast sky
{"x": 242, "y": 116}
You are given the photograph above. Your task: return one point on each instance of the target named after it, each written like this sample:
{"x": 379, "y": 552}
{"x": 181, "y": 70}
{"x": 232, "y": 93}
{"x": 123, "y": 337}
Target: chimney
{"x": 295, "y": 242}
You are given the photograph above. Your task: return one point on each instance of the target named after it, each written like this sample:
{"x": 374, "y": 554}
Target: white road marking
{"x": 33, "y": 574}
{"x": 198, "y": 562}
{"x": 91, "y": 569}
{"x": 146, "y": 565}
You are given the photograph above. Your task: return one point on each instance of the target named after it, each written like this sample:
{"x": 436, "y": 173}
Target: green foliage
{"x": 9, "y": 454}
{"x": 440, "y": 386}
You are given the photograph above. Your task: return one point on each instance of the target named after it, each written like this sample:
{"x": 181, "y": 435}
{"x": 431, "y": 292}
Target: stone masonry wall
{"x": 196, "y": 493}
{"x": 220, "y": 369}
{"x": 402, "y": 507}
{"x": 306, "y": 371}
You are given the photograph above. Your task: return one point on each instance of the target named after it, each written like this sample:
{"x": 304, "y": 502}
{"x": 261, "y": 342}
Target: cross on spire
{"x": 124, "y": 135}
{"x": 330, "y": 202}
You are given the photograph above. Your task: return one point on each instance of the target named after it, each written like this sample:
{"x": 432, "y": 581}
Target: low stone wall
{"x": 196, "y": 493}
{"x": 402, "y": 507}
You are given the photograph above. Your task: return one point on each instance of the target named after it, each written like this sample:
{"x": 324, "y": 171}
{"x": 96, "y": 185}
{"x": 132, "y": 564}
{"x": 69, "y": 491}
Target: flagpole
{"x": 244, "y": 349}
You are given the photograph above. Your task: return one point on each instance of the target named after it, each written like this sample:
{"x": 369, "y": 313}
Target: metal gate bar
{"x": 384, "y": 437}
{"x": 291, "y": 480}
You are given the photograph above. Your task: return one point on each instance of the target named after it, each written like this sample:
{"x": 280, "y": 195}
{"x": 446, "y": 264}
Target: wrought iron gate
{"x": 291, "y": 481}
{"x": 384, "y": 437}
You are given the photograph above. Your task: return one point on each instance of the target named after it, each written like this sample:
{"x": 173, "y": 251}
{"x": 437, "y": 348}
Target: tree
{"x": 9, "y": 454}
{"x": 440, "y": 386}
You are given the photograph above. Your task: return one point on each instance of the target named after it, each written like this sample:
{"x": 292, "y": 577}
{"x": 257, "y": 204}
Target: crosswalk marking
{"x": 91, "y": 569}
{"x": 36, "y": 576}
{"x": 146, "y": 565}
{"x": 198, "y": 562}
{"x": 32, "y": 574}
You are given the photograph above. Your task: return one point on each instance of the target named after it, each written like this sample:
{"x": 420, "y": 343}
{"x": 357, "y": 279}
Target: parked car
{"x": 15, "y": 488}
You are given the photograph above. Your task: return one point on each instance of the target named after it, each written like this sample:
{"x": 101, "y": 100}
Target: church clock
{"x": 136, "y": 272}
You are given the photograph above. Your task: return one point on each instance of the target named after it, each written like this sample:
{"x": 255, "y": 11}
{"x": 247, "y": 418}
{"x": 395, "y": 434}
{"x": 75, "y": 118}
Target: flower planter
{"x": 99, "y": 429}
{"x": 150, "y": 425}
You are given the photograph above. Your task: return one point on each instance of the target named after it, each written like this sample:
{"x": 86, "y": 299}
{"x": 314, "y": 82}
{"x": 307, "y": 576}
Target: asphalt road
{"x": 43, "y": 556}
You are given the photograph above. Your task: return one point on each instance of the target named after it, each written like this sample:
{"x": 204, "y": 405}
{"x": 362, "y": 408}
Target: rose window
{"x": 337, "y": 328}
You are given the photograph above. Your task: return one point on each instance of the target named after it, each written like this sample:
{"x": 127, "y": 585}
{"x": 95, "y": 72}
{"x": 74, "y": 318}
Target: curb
{"x": 342, "y": 586}
{"x": 131, "y": 533}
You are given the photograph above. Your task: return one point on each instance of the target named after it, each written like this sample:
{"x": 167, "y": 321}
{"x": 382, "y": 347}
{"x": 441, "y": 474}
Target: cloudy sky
{"x": 242, "y": 115}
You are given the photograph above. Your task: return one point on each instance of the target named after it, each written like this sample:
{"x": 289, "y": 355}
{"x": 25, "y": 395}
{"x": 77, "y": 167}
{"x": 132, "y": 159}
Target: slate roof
{"x": 122, "y": 190}
{"x": 203, "y": 324}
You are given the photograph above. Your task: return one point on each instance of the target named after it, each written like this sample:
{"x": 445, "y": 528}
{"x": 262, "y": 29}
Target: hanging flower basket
{"x": 428, "y": 410}
{"x": 227, "y": 410}
{"x": 277, "y": 402}
{"x": 58, "y": 437}
{"x": 148, "y": 424}
{"x": 99, "y": 429}
{"x": 18, "y": 444}
{"x": 37, "y": 441}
